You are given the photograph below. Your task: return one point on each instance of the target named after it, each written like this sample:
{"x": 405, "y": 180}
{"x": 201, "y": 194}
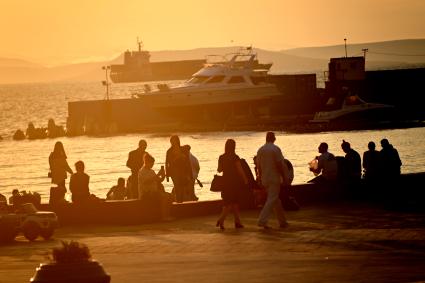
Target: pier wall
{"x": 410, "y": 196}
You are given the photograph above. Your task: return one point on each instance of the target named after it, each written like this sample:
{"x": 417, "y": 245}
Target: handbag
{"x": 217, "y": 183}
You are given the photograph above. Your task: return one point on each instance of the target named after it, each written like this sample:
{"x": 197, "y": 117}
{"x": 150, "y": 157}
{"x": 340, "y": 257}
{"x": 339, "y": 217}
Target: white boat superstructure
{"x": 233, "y": 80}
{"x": 351, "y": 106}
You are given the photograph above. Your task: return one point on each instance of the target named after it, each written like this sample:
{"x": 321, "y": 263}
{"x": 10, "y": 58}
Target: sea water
{"x": 24, "y": 164}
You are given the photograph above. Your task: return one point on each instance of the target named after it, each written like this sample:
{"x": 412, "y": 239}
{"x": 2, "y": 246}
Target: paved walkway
{"x": 349, "y": 243}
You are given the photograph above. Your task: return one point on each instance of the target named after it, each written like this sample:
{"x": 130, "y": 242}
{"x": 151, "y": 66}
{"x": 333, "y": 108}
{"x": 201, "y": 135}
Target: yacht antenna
{"x": 345, "y": 45}
{"x": 365, "y": 50}
{"x": 140, "y": 44}
{"x": 106, "y": 81}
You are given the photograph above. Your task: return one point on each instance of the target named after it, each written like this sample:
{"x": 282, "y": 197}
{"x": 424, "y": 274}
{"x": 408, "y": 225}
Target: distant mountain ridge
{"x": 408, "y": 51}
{"x": 381, "y": 55}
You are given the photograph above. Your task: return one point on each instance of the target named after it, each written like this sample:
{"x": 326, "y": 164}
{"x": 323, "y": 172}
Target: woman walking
{"x": 58, "y": 168}
{"x": 234, "y": 180}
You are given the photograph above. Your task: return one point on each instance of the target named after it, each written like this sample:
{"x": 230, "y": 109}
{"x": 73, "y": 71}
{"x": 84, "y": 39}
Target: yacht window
{"x": 258, "y": 80}
{"x": 215, "y": 79}
{"x": 198, "y": 79}
{"x": 235, "y": 80}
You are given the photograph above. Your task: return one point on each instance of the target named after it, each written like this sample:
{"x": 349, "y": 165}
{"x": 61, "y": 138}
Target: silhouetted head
{"x": 230, "y": 146}
{"x": 148, "y": 160}
{"x": 143, "y": 145}
{"x": 186, "y": 148}
{"x": 371, "y": 146}
{"x": 345, "y": 146}
{"x": 121, "y": 182}
{"x": 51, "y": 123}
{"x": 323, "y": 147}
{"x": 58, "y": 149}
{"x": 15, "y": 192}
{"x": 175, "y": 140}
{"x": 79, "y": 166}
{"x": 385, "y": 143}
{"x": 270, "y": 137}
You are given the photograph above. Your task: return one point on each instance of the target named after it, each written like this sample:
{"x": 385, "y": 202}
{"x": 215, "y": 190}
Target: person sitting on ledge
{"x": 3, "y": 198}
{"x": 16, "y": 198}
{"x": 151, "y": 190}
{"x": 117, "y": 192}
{"x": 371, "y": 162}
{"x": 79, "y": 184}
{"x": 326, "y": 164}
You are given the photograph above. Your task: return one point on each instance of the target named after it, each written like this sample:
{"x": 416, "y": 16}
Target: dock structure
{"x": 164, "y": 112}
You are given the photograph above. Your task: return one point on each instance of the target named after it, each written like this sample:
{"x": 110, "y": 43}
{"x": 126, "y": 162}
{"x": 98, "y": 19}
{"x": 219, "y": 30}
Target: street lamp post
{"x": 106, "y": 81}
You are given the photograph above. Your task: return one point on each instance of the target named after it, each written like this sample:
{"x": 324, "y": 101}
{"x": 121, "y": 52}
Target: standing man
{"x": 177, "y": 166}
{"x": 135, "y": 162}
{"x": 272, "y": 173}
{"x": 194, "y": 165}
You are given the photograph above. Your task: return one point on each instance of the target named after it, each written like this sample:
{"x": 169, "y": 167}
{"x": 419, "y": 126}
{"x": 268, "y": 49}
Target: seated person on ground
{"x": 3, "y": 198}
{"x": 150, "y": 187}
{"x": 79, "y": 184}
{"x": 16, "y": 197}
{"x": 117, "y": 192}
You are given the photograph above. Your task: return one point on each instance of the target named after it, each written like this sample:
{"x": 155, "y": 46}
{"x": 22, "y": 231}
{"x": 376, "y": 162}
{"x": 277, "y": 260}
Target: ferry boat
{"x": 138, "y": 68}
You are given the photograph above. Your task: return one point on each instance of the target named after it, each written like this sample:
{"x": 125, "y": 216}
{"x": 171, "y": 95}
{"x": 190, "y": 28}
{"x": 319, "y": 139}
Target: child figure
{"x": 117, "y": 192}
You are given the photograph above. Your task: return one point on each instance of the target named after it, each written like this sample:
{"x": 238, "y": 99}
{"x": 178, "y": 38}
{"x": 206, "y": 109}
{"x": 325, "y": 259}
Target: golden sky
{"x": 62, "y": 31}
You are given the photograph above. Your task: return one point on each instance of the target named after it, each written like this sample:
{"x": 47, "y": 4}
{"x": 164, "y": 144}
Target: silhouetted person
{"x": 135, "y": 162}
{"x": 79, "y": 184}
{"x": 352, "y": 168}
{"x": 390, "y": 160}
{"x": 390, "y": 169}
{"x": 35, "y": 133}
{"x": 177, "y": 166}
{"x": 18, "y": 135}
{"x": 15, "y": 199}
{"x": 194, "y": 166}
{"x": 270, "y": 167}
{"x": 58, "y": 169}
{"x": 371, "y": 163}
{"x": 54, "y": 130}
{"x": 327, "y": 166}
{"x": 151, "y": 190}
{"x": 234, "y": 181}
{"x": 3, "y": 201}
{"x": 117, "y": 192}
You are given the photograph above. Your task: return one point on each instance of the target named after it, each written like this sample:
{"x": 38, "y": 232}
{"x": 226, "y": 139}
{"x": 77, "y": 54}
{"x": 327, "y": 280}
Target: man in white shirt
{"x": 272, "y": 173}
{"x": 194, "y": 165}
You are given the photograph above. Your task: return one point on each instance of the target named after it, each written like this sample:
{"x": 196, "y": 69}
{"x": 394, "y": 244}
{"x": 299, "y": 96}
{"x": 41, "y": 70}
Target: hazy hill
{"x": 398, "y": 51}
{"x": 11, "y": 62}
{"x": 381, "y": 55}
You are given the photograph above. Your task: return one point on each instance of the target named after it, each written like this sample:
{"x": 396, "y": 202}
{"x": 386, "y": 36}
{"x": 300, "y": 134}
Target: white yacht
{"x": 224, "y": 82}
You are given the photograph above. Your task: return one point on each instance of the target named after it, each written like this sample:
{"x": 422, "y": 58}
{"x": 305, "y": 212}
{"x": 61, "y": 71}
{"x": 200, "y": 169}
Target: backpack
{"x": 252, "y": 183}
{"x": 290, "y": 170}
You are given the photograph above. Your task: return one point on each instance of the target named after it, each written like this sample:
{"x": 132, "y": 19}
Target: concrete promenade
{"x": 344, "y": 243}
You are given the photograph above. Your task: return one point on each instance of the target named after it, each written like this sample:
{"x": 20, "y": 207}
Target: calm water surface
{"x": 24, "y": 164}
